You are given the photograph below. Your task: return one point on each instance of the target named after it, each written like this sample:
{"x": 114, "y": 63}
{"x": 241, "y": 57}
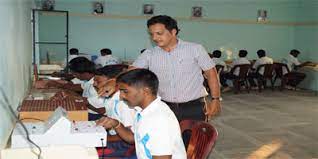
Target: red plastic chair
{"x": 202, "y": 139}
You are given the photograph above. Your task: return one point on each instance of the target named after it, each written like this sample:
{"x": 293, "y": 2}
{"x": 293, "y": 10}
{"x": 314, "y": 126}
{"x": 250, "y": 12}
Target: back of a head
{"x": 167, "y": 21}
{"x": 111, "y": 71}
{"x": 261, "y": 53}
{"x": 105, "y": 51}
{"x": 294, "y": 52}
{"x": 81, "y": 65}
{"x": 77, "y": 60}
{"x": 140, "y": 78}
{"x": 73, "y": 51}
{"x": 217, "y": 53}
{"x": 242, "y": 53}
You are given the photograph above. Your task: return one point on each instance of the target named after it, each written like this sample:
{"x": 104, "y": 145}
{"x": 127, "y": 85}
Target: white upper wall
{"x": 16, "y": 59}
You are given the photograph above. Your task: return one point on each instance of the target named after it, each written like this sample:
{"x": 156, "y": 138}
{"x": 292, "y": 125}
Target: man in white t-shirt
{"x": 105, "y": 83}
{"x": 294, "y": 77}
{"x": 85, "y": 70}
{"x": 234, "y": 74}
{"x": 156, "y": 131}
{"x": 106, "y": 58}
{"x": 262, "y": 59}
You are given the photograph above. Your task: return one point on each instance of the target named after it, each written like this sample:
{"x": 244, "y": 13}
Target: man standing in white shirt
{"x": 156, "y": 131}
{"x": 262, "y": 59}
{"x": 106, "y": 58}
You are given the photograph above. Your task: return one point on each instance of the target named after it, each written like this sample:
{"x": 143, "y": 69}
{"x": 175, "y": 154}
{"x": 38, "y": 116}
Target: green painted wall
{"x": 127, "y": 35}
{"x": 307, "y": 36}
{"x": 307, "y": 41}
{"x": 16, "y": 59}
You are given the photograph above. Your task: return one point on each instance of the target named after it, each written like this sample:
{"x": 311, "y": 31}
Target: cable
{"x": 20, "y": 122}
{"x": 32, "y": 119}
{"x": 103, "y": 149}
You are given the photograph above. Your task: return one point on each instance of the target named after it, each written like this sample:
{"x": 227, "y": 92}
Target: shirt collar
{"x": 179, "y": 44}
{"x": 152, "y": 106}
{"x": 291, "y": 56}
{"x": 91, "y": 81}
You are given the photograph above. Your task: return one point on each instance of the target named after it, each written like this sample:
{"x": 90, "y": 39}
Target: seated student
{"x": 105, "y": 82}
{"x": 73, "y": 54}
{"x": 74, "y": 84}
{"x": 106, "y": 58}
{"x": 262, "y": 59}
{"x": 241, "y": 60}
{"x": 216, "y": 57}
{"x": 85, "y": 70}
{"x": 293, "y": 64}
{"x": 156, "y": 131}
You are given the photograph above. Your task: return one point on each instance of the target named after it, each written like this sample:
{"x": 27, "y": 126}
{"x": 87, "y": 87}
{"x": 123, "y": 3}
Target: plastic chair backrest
{"x": 202, "y": 139}
{"x": 244, "y": 69}
{"x": 268, "y": 70}
{"x": 278, "y": 67}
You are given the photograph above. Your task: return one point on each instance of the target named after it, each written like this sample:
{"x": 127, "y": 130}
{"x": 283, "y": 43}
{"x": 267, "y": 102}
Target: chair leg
{"x": 247, "y": 85}
{"x": 272, "y": 84}
{"x": 284, "y": 81}
{"x": 259, "y": 83}
{"x": 236, "y": 84}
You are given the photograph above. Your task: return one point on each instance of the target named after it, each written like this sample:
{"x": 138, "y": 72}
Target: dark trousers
{"x": 294, "y": 78}
{"x": 251, "y": 78}
{"x": 226, "y": 76}
{"x": 193, "y": 110}
{"x": 93, "y": 117}
{"x": 117, "y": 149}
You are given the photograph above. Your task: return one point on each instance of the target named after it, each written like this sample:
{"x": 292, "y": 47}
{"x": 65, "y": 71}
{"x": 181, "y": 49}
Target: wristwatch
{"x": 216, "y": 98}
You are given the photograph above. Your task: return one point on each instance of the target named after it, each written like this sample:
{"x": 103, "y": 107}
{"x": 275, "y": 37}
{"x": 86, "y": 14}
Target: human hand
{"x": 107, "y": 122}
{"x": 101, "y": 110}
{"x": 213, "y": 109}
{"x": 107, "y": 89}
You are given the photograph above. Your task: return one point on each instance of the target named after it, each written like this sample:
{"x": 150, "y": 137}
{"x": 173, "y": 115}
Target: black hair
{"x": 210, "y": 55}
{"x": 294, "y": 52}
{"x": 111, "y": 71}
{"x": 140, "y": 78}
{"x": 81, "y": 65}
{"x": 261, "y": 53}
{"x": 242, "y": 53}
{"x": 142, "y": 51}
{"x": 217, "y": 53}
{"x": 167, "y": 21}
{"x": 73, "y": 51}
{"x": 106, "y": 51}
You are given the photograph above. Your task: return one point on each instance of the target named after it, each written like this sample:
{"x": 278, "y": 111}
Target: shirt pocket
{"x": 185, "y": 65}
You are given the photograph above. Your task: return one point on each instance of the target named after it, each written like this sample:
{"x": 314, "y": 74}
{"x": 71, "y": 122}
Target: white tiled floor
{"x": 287, "y": 122}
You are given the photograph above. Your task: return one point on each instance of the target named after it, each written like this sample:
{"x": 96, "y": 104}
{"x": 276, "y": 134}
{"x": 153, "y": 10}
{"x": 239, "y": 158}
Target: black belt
{"x": 189, "y": 102}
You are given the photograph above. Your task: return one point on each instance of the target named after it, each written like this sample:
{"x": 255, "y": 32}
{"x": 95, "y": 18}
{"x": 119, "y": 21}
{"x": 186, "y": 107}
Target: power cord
{"x": 103, "y": 149}
{"x": 20, "y": 122}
